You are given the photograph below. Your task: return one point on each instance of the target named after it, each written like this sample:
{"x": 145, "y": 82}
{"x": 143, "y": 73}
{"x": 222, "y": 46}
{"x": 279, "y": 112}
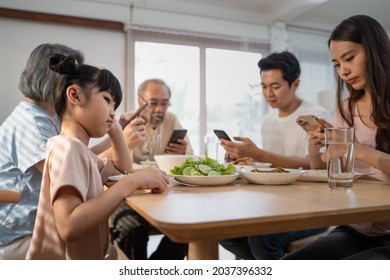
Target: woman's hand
{"x": 316, "y": 140}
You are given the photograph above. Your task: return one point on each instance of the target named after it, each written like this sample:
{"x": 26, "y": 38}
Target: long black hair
{"x": 364, "y": 30}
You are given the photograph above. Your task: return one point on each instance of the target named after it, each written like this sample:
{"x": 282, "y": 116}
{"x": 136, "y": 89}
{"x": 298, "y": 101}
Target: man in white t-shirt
{"x": 284, "y": 145}
{"x": 284, "y": 142}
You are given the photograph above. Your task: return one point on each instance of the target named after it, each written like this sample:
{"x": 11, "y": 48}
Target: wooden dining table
{"x": 202, "y": 215}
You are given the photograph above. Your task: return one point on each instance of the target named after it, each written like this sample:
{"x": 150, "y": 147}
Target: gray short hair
{"x": 144, "y": 84}
{"x": 37, "y": 80}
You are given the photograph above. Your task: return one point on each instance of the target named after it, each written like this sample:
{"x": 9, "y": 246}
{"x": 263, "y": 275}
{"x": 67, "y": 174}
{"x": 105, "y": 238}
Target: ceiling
{"x": 313, "y": 14}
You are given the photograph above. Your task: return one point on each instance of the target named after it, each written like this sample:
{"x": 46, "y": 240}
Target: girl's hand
{"x": 115, "y": 128}
{"x": 149, "y": 178}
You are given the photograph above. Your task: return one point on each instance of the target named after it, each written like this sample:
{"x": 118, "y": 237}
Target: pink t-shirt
{"x": 69, "y": 162}
{"x": 366, "y": 136}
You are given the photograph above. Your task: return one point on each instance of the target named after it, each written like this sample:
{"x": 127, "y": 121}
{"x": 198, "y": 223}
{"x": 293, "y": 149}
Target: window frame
{"x": 202, "y": 41}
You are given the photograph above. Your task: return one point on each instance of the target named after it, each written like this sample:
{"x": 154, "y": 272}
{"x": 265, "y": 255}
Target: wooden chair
{"x": 9, "y": 196}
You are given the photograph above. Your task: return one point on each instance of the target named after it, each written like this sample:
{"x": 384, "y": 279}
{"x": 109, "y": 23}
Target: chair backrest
{"x": 9, "y": 196}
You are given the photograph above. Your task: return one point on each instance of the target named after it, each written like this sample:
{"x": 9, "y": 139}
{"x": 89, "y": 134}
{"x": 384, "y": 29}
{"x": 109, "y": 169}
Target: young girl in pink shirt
{"x": 73, "y": 210}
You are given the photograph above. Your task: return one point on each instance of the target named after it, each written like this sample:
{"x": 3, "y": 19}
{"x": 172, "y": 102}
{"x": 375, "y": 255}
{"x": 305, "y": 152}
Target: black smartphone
{"x": 309, "y": 122}
{"x": 221, "y": 134}
{"x": 136, "y": 114}
{"x": 177, "y": 133}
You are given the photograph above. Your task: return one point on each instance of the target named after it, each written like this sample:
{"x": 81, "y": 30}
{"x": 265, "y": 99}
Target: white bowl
{"x": 207, "y": 180}
{"x": 268, "y": 178}
{"x": 168, "y": 161}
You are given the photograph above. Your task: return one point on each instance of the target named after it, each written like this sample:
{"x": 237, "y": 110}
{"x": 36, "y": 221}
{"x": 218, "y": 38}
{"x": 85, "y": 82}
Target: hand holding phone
{"x": 309, "y": 122}
{"x": 177, "y": 133}
{"x": 221, "y": 134}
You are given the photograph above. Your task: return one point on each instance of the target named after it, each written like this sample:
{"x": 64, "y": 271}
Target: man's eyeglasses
{"x": 155, "y": 104}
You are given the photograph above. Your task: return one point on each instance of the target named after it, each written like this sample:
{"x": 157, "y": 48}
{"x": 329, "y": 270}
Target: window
{"x": 214, "y": 85}
{"x": 233, "y": 93}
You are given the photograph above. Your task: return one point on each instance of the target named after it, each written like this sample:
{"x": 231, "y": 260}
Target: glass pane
{"x": 233, "y": 94}
{"x": 178, "y": 66}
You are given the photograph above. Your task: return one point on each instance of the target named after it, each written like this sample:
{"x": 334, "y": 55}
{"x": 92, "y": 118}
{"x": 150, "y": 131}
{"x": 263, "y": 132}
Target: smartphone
{"x": 309, "y": 122}
{"x": 136, "y": 114}
{"x": 221, "y": 134}
{"x": 177, "y": 133}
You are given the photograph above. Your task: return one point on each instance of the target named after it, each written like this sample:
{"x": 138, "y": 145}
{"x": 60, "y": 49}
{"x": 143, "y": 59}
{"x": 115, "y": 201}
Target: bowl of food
{"x": 204, "y": 171}
{"x": 271, "y": 176}
{"x": 169, "y": 161}
{"x": 248, "y": 163}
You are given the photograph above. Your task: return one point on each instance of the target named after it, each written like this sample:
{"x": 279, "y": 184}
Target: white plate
{"x": 206, "y": 180}
{"x": 268, "y": 178}
{"x": 321, "y": 175}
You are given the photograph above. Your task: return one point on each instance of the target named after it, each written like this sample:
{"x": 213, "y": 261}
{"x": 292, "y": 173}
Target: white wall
{"x": 102, "y": 48}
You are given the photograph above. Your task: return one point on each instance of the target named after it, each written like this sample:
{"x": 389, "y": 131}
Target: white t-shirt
{"x": 283, "y": 136}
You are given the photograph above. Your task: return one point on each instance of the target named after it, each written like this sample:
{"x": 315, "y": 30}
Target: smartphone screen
{"x": 221, "y": 134}
{"x": 178, "y": 133}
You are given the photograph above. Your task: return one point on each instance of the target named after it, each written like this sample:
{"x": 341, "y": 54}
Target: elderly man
{"x": 159, "y": 122}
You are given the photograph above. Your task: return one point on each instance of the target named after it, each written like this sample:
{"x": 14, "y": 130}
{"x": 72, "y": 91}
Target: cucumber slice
{"x": 194, "y": 172}
{"x": 204, "y": 168}
{"x": 213, "y": 172}
{"x": 187, "y": 170}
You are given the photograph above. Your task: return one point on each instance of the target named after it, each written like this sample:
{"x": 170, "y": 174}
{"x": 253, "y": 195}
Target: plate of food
{"x": 271, "y": 176}
{"x": 204, "y": 172}
{"x": 321, "y": 175}
{"x": 247, "y": 163}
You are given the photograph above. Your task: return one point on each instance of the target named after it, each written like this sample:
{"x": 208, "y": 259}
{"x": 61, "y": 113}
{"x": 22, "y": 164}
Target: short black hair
{"x": 285, "y": 62}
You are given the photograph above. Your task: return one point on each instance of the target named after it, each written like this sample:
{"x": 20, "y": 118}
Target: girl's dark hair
{"x": 364, "y": 30}
{"x": 285, "y": 61}
{"x": 86, "y": 76}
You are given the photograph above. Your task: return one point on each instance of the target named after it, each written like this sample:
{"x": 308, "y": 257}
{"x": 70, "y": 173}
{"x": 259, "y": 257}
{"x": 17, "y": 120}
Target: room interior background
{"x": 207, "y": 51}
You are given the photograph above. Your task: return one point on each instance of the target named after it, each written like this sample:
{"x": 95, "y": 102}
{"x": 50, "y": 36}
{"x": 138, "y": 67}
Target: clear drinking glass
{"x": 340, "y": 144}
{"x": 211, "y": 146}
{"x": 150, "y": 147}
